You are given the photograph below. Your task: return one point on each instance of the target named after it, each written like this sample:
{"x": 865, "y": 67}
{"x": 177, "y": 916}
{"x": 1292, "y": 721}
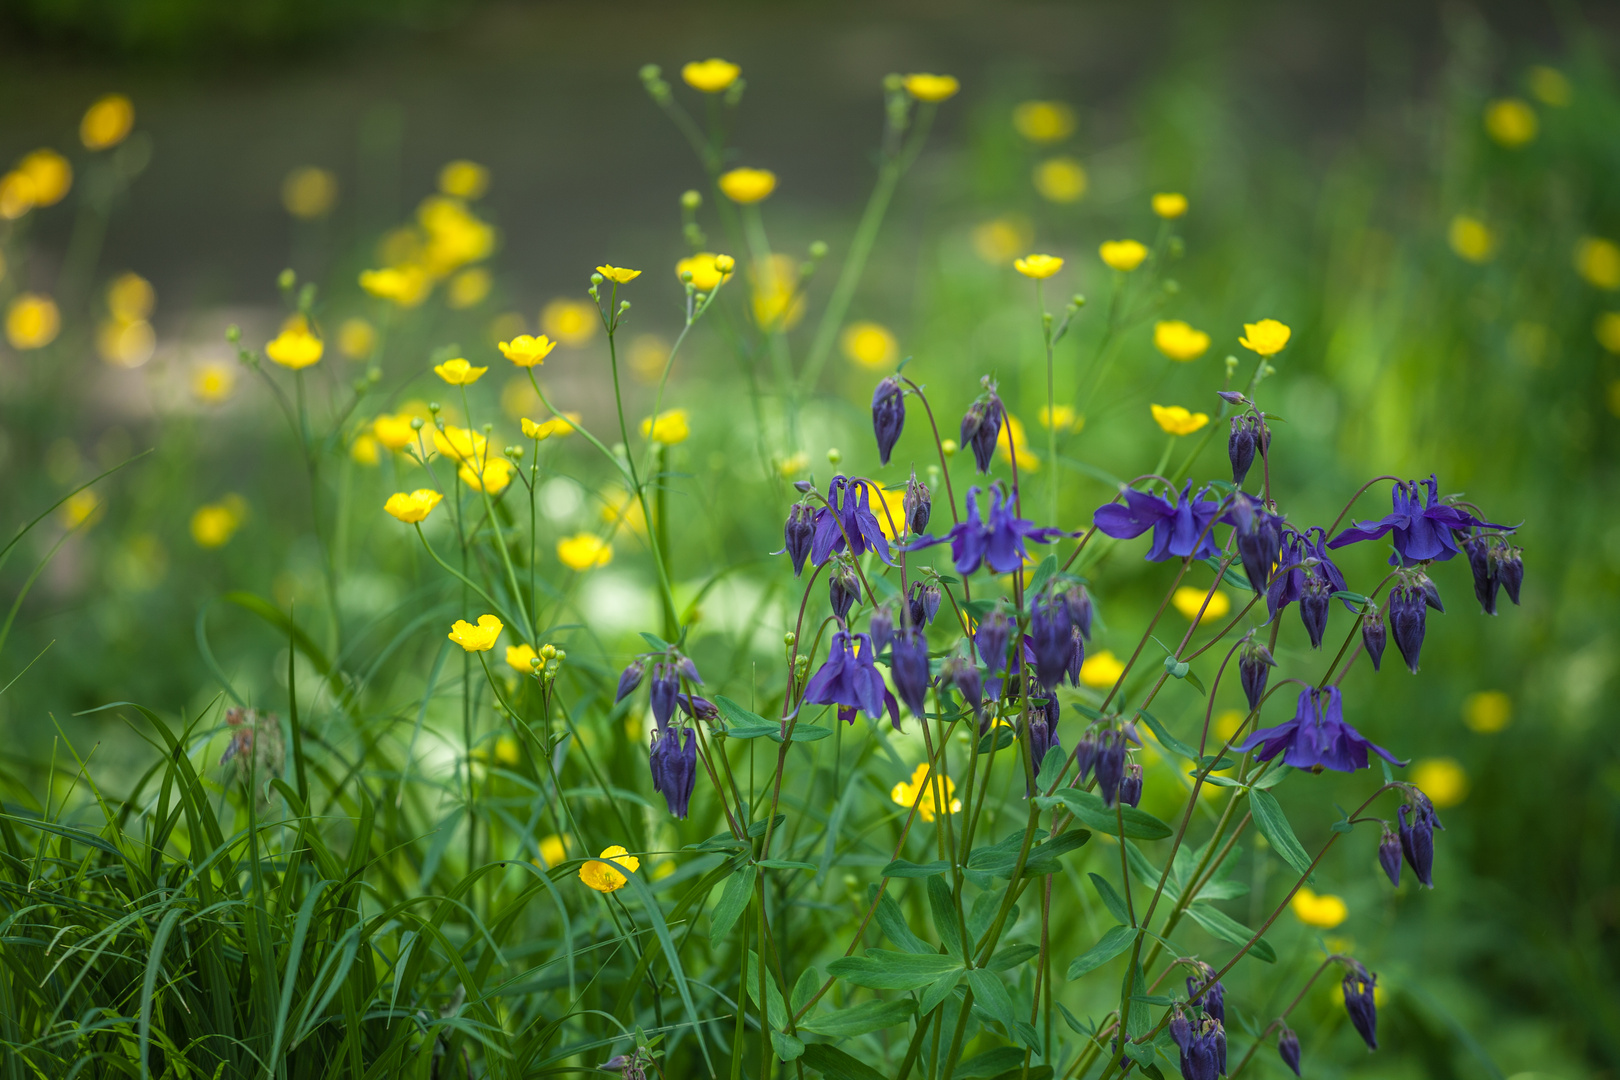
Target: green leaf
{"x": 1110, "y": 898}
{"x": 1140, "y": 1020}
{"x": 733, "y": 901}
{"x": 937, "y": 991}
{"x": 803, "y": 732}
{"x": 1051, "y": 770}
{"x": 1177, "y": 668}
{"x": 1011, "y": 957}
{"x": 942, "y": 902}
{"x": 805, "y": 989}
{"x": 901, "y": 868}
{"x": 654, "y": 641}
{"x": 835, "y": 1064}
{"x": 1116, "y": 941}
{"x": 775, "y": 1007}
{"x": 743, "y": 723}
{"x": 894, "y": 925}
{"x": 1268, "y": 814}
{"x": 1228, "y": 929}
{"x": 860, "y": 1019}
{"x": 991, "y": 995}
{"x": 978, "y": 609}
{"x": 757, "y": 829}
{"x": 880, "y": 969}
{"x": 991, "y": 1063}
{"x": 786, "y": 1046}
{"x": 1167, "y": 740}
{"x": 1088, "y": 807}
{"x": 785, "y": 864}
{"x": 1043, "y": 574}
{"x": 998, "y": 738}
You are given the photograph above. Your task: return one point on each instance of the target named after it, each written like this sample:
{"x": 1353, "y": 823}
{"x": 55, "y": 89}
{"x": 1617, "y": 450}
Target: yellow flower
{"x": 461, "y": 444}
{"x": 130, "y": 297}
{"x": 1321, "y": 910}
{"x": 356, "y": 338}
{"x": 570, "y": 322}
{"x": 545, "y": 429}
{"x": 394, "y": 431}
{"x": 454, "y": 235}
{"x": 493, "y": 477}
{"x": 793, "y": 466}
{"x": 107, "y": 122}
{"x": 602, "y": 877}
{"x": 869, "y": 344}
{"x": 365, "y": 450}
{"x": 1038, "y": 266}
{"x": 413, "y": 507}
{"x": 1177, "y": 420}
{"x": 553, "y": 850}
{"x": 16, "y": 195}
{"x": 1012, "y": 436}
{"x": 997, "y": 241}
{"x": 213, "y": 525}
{"x": 127, "y": 344}
{"x": 710, "y": 76}
{"x": 1228, "y": 721}
{"x": 468, "y": 288}
{"x": 464, "y": 179}
{"x": 1471, "y": 238}
{"x": 526, "y": 350}
{"x": 1550, "y": 86}
{"x": 1442, "y": 779}
{"x": 1511, "y": 122}
{"x": 212, "y": 382}
{"x": 1101, "y": 669}
{"x": 1598, "y": 261}
{"x": 648, "y": 353}
{"x": 747, "y": 185}
{"x": 1064, "y": 415}
{"x": 458, "y": 372}
{"x": 584, "y": 551}
{"x": 480, "y": 638}
{"x": 1044, "y": 121}
{"x": 1189, "y": 598}
{"x": 905, "y": 794}
{"x": 309, "y": 192}
{"x": 295, "y": 347}
{"x": 925, "y": 87}
{"x": 32, "y": 321}
{"x": 1061, "y": 180}
{"x": 620, "y": 507}
{"x": 1169, "y": 204}
{"x": 407, "y": 285}
{"x": 670, "y": 427}
{"x": 51, "y": 174}
{"x": 1124, "y": 255}
{"x": 518, "y": 658}
{"x": 891, "y": 513}
{"x": 618, "y": 274}
{"x": 1487, "y": 711}
{"x": 1266, "y": 337}
{"x": 707, "y": 269}
{"x": 1179, "y": 341}
{"x": 1607, "y": 330}
{"x": 777, "y": 302}
{"x": 79, "y": 508}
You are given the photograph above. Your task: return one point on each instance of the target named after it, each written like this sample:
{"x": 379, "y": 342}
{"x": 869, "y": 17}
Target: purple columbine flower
{"x": 991, "y": 637}
{"x": 797, "y": 535}
{"x": 1389, "y": 856}
{"x": 1417, "y": 837}
{"x": 1317, "y": 737}
{"x": 843, "y": 590}
{"x": 1374, "y": 637}
{"x": 981, "y": 426}
{"x": 1110, "y": 765}
{"x": 997, "y": 543}
{"x": 924, "y": 602}
{"x": 629, "y": 679}
{"x": 1482, "y": 561}
{"x": 1051, "y": 639}
{"x": 665, "y": 686}
{"x": 849, "y": 506}
{"x": 1288, "y": 1049}
{"x": 1289, "y": 581}
{"x": 908, "y": 663}
{"x": 1254, "y": 668}
{"x": 1085, "y": 757}
{"x": 888, "y": 416}
{"x": 1203, "y": 1048}
{"x": 1077, "y": 656}
{"x": 700, "y": 708}
{"x": 1424, "y": 527}
{"x": 1313, "y": 605}
{"x": 1130, "y": 788}
{"x": 1249, "y": 434}
{"x": 881, "y": 627}
{"x": 1212, "y": 1000}
{"x": 918, "y": 505}
{"x": 1510, "y": 572}
{"x": 962, "y": 674}
{"x": 1409, "y": 603}
{"x": 1259, "y": 538}
{"x": 1180, "y": 528}
{"x": 687, "y": 670}
{"x": 1080, "y": 610}
{"x": 673, "y": 762}
{"x": 849, "y": 679}
{"x": 1043, "y": 730}
{"x": 1359, "y": 985}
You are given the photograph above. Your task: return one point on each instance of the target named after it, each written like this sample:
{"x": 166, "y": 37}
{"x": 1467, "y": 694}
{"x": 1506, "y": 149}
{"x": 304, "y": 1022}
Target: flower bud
{"x": 1417, "y": 837}
{"x": 1374, "y": 637}
{"x": 918, "y": 505}
{"x": 1389, "y": 856}
{"x": 629, "y": 678}
{"x": 991, "y": 640}
{"x": 963, "y": 676}
{"x": 881, "y": 627}
{"x": 834, "y": 456}
{"x": 1359, "y": 985}
{"x": 1085, "y": 757}
{"x": 888, "y": 416}
{"x": 1313, "y": 605}
{"x": 1408, "y": 613}
{"x": 673, "y": 763}
{"x": 1240, "y": 447}
{"x": 981, "y": 427}
{"x": 908, "y": 664}
{"x": 802, "y": 486}
{"x": 1254, "y": 668}
{"x": 1130, "y": 788}
{"x": 1231, "y": 397}
{"x": 843, "y": 589}
{"x": 1288, "y": 1049}
{"x": 1043, "y": 733}
{"x": 1259, "y": 538}
{"x": 691, "y": 199}
{"x": 665, "y": 686}
{"x": 1051, "y": 638}
{"x": 688, "y": 670}
{"x": 797, "y": 534}
{"x": 1482, "y": 560}
{"x": 1510, "y": 572}
{"x": 924, "y": 603}
{"x": 1110, "y": 765}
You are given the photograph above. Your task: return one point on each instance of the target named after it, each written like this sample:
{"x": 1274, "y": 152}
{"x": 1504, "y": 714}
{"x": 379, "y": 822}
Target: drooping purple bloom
{"x": 1259, "y": 538}
{"x": 797, "y": 535}
{"x": 1288, "y": 1049}
{"x": 629, "y": 679}
{"x": 1077, "y": 656}
{"x": 1424, "y": 527}
{"x": 1313, "y": 605}
{"x": 991, "y": 637}
{"x": 673, "y": 762}
{"x": 1374, "y": 637}
{"x": 1482, "y": 562}
{"x": 700, "y": 708}
{"x": 1051, "y": 638}
{"x": 1130, "y": 788}
{"x": 1110, "y": 765}
{"x": 908, "y": 663}
{"x": 1080, "y": 610}
{"x": 1408, "y": 617}
{"x": 1254, "y": 668}
{"x": 1317, "y": 737}
{"x": 848, "y": 513}
{"x": 1417, "y": 837}
{"x": 997, "y": 543}
{"x": 1203, "y": 1047}
{"x": 849, "y": 678}
{"x": 1389, "y": 856}
{"x": 1359, "y": 1004}
{"x": 1289, "y": 581}
{"x": 881, "y": 627}
{"x": 1180, "y": 528}
{"x": 888, "y": 416}
{"x": 1213, "y": 1000}
{"x": 1085, "y": 757}
{"x": 843, "y": 589}
{"x": 924, "y": 602}
{"x": 665, "y": 686}
{"x": 981, "y": 426}
{"x": 962, "y": 674}
{"x": 687, "y": 670}
{"x": 1043, "y": 731}
{"x": 1249, "y": 434}
{"x": 918, "y": 505}
{"x": 1510, "y": 572}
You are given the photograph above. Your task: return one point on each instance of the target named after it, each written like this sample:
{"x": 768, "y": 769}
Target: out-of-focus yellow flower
{"x": 1550, "y": 87}
{"x": 213, "y": 525}
{"x": 618, "y": 274}
{"x": 458, "y": 372}
{"x": 394, "y": 430}
{"x": 213, "y": 382}
{"x": 493, "y": 477}
{"x": 925, "y": 87}
{"x": 309, "y": 192}
{"x": 669, "y": 428}
{"x": 1442, "y": 779}
{"x": 1189, "y": 598}
{"x": 905, "y": 793}
{"x": 1228, "y": 722}
{"x": 708, "y": 270}
{"x": 1124, "y": 255}
{"x": 890, "y": 510}
{"x": 1179, "y": 341}
{"x": 459, "y": 443}
{"x": 518, "y": 658}
{"x": 107, "y": 123}
{"x": 620, "y": 507}
{"x": 469, "y": 288}
{"x": 295, "y": 347}
{"x": 32, "y": 321}
{"x": 584, "y": 551}
{"x": 778, "y": 303}
{"x": 1511, "y": 122}
{"x": 602, "y": 877}
{"x": 454, "y": 235}
{"x": 1169, "y": 204}
{"x": 648, "y": 353}
{"x": 480, "y": 638}
{"x": 1487, "y": 712}
{"x": 1471, "y": 238}
{"x": 570, "y": 322}
{"x": 999, "y": 240}
{"x": 130, "y": 297}
{"x": 794, "y": 465}
{"x": 1177, "y": 420}
{"x": 365, "y": 450}
{"x": 1061, "y": 180}
{"x": 1266, "y": 337}
{"x": 1063, "y": 417}
{"x": 1044, "y": 121}
{"x": 406, "y": 285}
{"x": 1607, "y": 331}
{"x": 463, "y": 179}
{"x": 1598, "y": 261}
{"x": 1038, "y": 266}
{"x": 1012, "y": 437}
{"x": 79, "y": 509}
{"x": 1323, "y": 910}
{"x": 413, "y": 507}
{"x": 356, "y": 338}
{"x": 710, "y": 76}
{"x": 126, "y": 344}
{"x": 1101, "y": 669}
{"x": 747, "y": 185}
{"x": 16, "y": 195}
{"x": 869, "y": 344}
{"x": 526, "y": 350}
{"x": 556, "y": 425}
{"x": 51, "y": 174}
{"x": 553, "y": 850}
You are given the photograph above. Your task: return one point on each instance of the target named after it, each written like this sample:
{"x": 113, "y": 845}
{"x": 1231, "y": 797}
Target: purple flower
{"x": 1290, "y": 579}
{"x": 673, "y": 762}
{"x": 1259, "y": 538}
{"x": 700, "y": 708}
{"x": 1359, "y": 1004}
{"x": 1130, "y": 788}
{"x": 963, "y": 675}
{"x": 665, "y": 686}
{"x": 998, "y": 543}
{"x": 1374, "y": 637}
{"x": 1249, "y": 434}
{"x": 850, "y": 679}
{"x": 1213, "y": 999}
{"x": 1051, "y": 638}
{"x": 991, "y": 637}
{"x": 1254, "y": 668}
{"x": 908, "y": 662}
{"x": 888, "y": 416}
{"x": 980, "y": 428}
{"x": 797, "y": 535}
{"x": 924, "y": 602}
{"x": 1110, "y": 765}
{"x": 881, "y": 627}
{"x": 1409, "y": 603}
{"x": 848, "y": 512}
{"x": 1085, "y": 757}
{"x": 843, "y": 589}
{"x": 1317, "y": 737}
{"x": 1313, "y": 605}
{"x": 1180, "y": 528}
{"x": 1080, "y": 612}
{"x": 1423, "y": 526}
{"x": 917, "y": 506}
{"x": 1203, "y": 1049}
{"x": 1510, "y": 572}
{"x": 1417, "y": 837}
{"x": 629, "y": 679}
{"x": 1389, "y": 855}
{"x": 1043, "y": 732}
{"x": 1288, "y": 1049}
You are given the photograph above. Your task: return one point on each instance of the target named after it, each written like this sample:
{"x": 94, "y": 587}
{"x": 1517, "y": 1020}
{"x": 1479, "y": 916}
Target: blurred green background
{"x": 1328, "y": 155}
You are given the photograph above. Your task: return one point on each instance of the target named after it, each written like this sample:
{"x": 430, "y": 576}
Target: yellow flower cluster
{"x": 446, "y": 237}
{"x": 41, "y": 178}
{"x": 1266, "y": 337}
{"x": 905, "y": 793}
{"x": 458, "y": 372}
{"x": 527, "y": 351}
{"x": 1123, "y": 255}
{"x": 1101, "y": 669}
{"x": 126, "y": 338}
{"x": 1189, "y": 598}
{"x": 584, "y": 551}
{"x": 707, "y": 270}
{"x": 1322, "y": 910}
{"x": 747, "y": 186}
{"x": 710, "y": 76}
{"x": 414, "y": 507}
{"x": 1039, "y": 267}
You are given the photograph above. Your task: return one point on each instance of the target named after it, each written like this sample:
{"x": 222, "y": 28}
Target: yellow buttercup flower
{"x": 794, "y": 465}
{"x": 1044, "y": 121}
{"x": 618, "y": 274}
{"x": 130, "y": 297}
{"x": 933, "y": 801}
{"x": 1511, "y": 122}
{"x": 394, "y": 430}
{"x": 869, "y": 344}
{"x": 356, "y": 338}
{"x": 553, "y": 850}
{"x": 890, "y": 510}
{"x": 1607, "y": 331}
{"x": 1550, "y": 86}
{"x": 16, "y": 195}
{"x": 454, "y": 236}
{"x": 1189, "y": 598}
{"x": 999, "y": 240}
{"x": 1063, "y": 417}
{"x": 707, "y": 269}
{"x": 1038, "y": 266}
{"x": 1061, "y": 180}
{"x": 413, "y": 507}
{"x": 1177, "y": 420}
{"x": 79, "y": 509}
{"x": 480, "y": 638}
{"x": 620, "y": 507}
{"x": 458, "y": 372}
{"x": 1322, "y": 910}
{"x": 518, "y": 658}
{"x": 1169, "y": 204}
{"x": 107, "y": 123}
{"x": 1179, "y": 341}
{"x": 213, "y": 525}
{"x": 777, "y": 302}
{"x": 1471, "y": 238}
{"x": 602, "y": 877}
{"x": 710, "y": 76}
{"x": 212, "y": 382}
{"x": 1487, "y": 712}
{"x": 464, "y": 179}
{"x": 1266, "y": 337}
{"x": 1101, "y": 669}
{"x": 1442, "y": 779}
{"x": 1598, "y": 261}
{"x": 32, "y": 321}
{"x": 570, "y": 322}
{"x": 669, "y": 428}
{"x": 926, "y": 87}
{"x": 407, "y": 285}
{"x": 545, "y": 429}
{"x": 1013, "y": 437}
{"x": 51, "y": 174}
{"x": 309, "y": 192}
{"x": 747, "y": 185}
{"x": 295, "y": 347}
{"x": 493, "y": 477}
{"x": 469, "y": 288}
{"x": 365, "y": 450}
{"x": 459, "y": 443}
{"x": 584, "y": 551}
{"x": 126, "y": 344}
{"x": 526, "y": 350}
{"x": 1228, "y": 721}
{"x": 1124, "y": 255}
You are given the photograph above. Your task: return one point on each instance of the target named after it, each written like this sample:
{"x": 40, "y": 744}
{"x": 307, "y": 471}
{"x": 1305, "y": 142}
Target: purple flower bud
{"x": 665, "y": 686}
{"x": 881, "y": 627}
{"x": 699, "y": 707}
{"x": 843, "y": 589}
{"x": 673, "y": 763}
{"x": 1231, "y": 397}
{"x": 1510, "y": 572}
{"x": 1313, "y": 606}
{"x": 1130, "y": 788}
{"x": 1259, "y": 539}
{"x": 981, "y": 426}
{"x": 992, "y": 637}
{"x": 1080, "y": 611}
{"x": 1077, "y": 656}
{"x": 1288, "y": 1049}
{"x": 1359, "y": 1004}
{"x": 629, "y": 679}
{"x": 1181, "y": 1028}
{"x": 1051, "y": 638}
{"x": 802, "y": 486}
{"x": 1110, "y": 765}
{"x": 1417, "y": 837}
{"x": 1043, "y": 732}
{"x": 797, "y": 535}
{"x": 1240, "y": 447}
{"x": 924, "y": 603}
{"x": 1085, "y": 757}
{"x": 1482, "y": 560}
{"x": 918, "y": 506}
{"x": 1374, "y": 637}
{"x": 1213, "y": 1000}
{"x": 963, "y": 676}
{"x": 888, "y": 416}
{"x": 1254, "y": 668}
{"x": 1431, "y": 594}
{"x": 908, "y": 663}
{"x": 1408, "y": 612}
{"x": 1389, "y": 856}
{"x": 688, "y": 670}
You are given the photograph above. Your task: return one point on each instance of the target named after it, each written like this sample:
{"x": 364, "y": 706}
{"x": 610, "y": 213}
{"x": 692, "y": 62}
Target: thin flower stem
{"x": 1362, "y": 490}
{"x": 939, "y": 445}
{"x": 1282, "y": 1017}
